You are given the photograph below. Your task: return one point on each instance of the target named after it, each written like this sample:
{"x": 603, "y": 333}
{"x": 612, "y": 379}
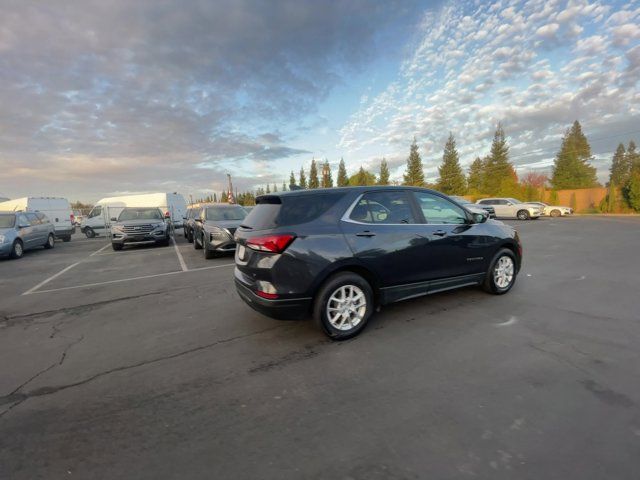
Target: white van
{"x": 57, "y": 210}
{"x": 98, "y": 221}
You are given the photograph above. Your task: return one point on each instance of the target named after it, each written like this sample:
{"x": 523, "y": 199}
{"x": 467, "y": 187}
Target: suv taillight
{"x": 72, "y": 218}
{"x": 270, "y": 243}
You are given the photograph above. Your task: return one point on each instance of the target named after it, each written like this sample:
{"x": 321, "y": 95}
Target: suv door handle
{"x": 366, "y": 233}
{"x": 439, "y": 233}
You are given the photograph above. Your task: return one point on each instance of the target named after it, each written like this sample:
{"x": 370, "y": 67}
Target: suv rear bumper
{"x": 64, "y": 232}
{"x": 285, "y": 309}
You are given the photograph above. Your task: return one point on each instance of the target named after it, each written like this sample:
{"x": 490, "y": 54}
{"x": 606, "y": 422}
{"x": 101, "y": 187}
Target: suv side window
{"x": 42, "y": 217}
{"x": 384, "y": 208}
{"x": 33, "y": 219}
{"x": 97, "y": 211}
{"x": 438, "y": 210}
{"x": 22, "y": 219}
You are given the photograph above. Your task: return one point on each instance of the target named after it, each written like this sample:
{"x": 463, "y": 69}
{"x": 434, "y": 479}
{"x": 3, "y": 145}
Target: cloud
{"x": 536, "y": 80}
{"x": 172, "y": 82}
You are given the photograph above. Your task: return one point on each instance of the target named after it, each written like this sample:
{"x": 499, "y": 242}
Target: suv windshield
{"x": 223, "y": 213}
{"x": 7, "y": 220}
{"x": 140, "y": 214}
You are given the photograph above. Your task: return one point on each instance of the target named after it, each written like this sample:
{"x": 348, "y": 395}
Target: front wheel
{"x": 18, "y": 250}
{"x": 89, "y": 232}
{"x": 554, "y": 213}
{"x": 51, "y": 241}
{"x": 196, "y": 245}
{"x": 343, "y": 305}
{"x": 502, "y": 273}
{"x": 523, "y": 215}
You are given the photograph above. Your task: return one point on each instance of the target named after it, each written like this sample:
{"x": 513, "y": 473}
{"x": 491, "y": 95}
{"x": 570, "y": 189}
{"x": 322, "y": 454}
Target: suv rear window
{"x": 279, "y": 211}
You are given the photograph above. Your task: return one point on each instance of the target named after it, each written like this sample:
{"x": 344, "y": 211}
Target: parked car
{"x": 512, "y": 208}
{"x": 57, "y": 210}
{"x": 553, "y": 210}
{"x": 189, "y": 221}
{"x": 98, "y": 221}
{"x": 214, "y": 229}
{"x": 474, "y": 207}
{"x": 338, "y": 254}
{"x": 135, "y": 226}
{"x": 21, "y": 231}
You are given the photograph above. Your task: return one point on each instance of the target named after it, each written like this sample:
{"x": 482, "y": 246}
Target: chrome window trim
{"x": 347, "y": 214}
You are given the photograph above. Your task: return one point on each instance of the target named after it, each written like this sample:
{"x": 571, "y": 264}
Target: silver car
{"x": 512, "y": 208}
{"x": 20, "y": 231}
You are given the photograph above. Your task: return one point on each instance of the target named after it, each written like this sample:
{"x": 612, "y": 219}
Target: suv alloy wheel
{"x": 343, "y": 305}
{"x": 523, "y": 215}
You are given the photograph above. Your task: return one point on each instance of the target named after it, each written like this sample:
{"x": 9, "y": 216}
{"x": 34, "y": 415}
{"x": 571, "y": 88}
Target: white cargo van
{"x": 98, "y": 220}
{"x": 57, "y": 210}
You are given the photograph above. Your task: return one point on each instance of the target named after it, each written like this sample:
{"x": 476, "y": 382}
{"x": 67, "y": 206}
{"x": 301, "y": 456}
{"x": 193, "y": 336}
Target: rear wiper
{"x": 246, "y": 226}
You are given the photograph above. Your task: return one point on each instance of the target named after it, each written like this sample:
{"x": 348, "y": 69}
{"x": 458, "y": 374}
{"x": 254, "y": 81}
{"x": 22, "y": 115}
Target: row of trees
{"x": 491, "y": 175}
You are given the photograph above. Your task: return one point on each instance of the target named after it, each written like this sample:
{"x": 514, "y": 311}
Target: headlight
{"x": 218, "y": 233}
{"x": 158, "y": 225}
{"x": 116, "y": 228}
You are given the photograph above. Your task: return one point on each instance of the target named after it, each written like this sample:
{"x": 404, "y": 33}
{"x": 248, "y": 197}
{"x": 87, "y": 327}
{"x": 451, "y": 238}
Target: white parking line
{"x": 107, "y": 282}
{"x": 183, "y": 265}
{"x": 53, "y": 277}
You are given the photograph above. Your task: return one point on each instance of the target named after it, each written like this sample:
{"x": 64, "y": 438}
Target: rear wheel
{"x": 18, "y": 249}
{"x": 117, "y": 246}
{"x": 555, "y": 213}
{"x": 51, "y": 241}
{"x": 89, "y": 232}
{"x": 188, "y": 235}
{"x": 523, "y": 215}
{"x": 502, "y": 273}
{"x": 343, "y": 305}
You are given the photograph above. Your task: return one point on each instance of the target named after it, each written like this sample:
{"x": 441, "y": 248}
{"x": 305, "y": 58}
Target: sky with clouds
{"x": 99, "y": 98}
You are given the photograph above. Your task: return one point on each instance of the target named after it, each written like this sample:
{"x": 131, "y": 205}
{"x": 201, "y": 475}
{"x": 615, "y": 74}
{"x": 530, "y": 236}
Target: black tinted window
{"x": 224, "y": 212}
{"x": 275, "y": 211}
{"x": 383, "y": 207}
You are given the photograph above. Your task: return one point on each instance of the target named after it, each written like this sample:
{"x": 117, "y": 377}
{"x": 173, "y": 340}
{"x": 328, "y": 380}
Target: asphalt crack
{"x": 17, "y": 397}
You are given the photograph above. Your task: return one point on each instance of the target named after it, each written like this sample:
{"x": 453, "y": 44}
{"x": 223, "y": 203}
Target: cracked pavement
{"x": 174, "y": 377}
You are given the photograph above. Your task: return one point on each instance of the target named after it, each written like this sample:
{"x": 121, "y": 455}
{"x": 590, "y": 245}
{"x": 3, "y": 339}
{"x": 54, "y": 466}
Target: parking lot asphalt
{"x": 145, "y": 364}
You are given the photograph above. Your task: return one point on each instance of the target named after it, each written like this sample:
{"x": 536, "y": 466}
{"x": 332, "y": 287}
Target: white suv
{"x": 512, "y": 208}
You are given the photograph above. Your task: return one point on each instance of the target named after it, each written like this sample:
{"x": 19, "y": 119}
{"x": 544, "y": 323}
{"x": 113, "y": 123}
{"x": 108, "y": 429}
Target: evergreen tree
{"x": 275, "y": 188}
{"x": 292, "y": 179}
{"x": 415, "y": 174}
{"x": 327, "y": 177}
{"x": 476, "y": 176}
{"x": 215, "y": 198}
{"x": 343, "y": 179}
{"x": 451, "y": 181}
{"x": 223, "y": 197}
{"x": 499, "y": 175}
{"x": 571, "y": 167}
{"x": 362, "y": 178}
{"x": 383, "y": 178}
{"x": 268, "y": 189}
{"x": 633, "y": 157}
{"x": 620, "y": 167}
{"x": 284, "y": 186}
{"x": 303, "y": 179}
{"x": 633, "y": 191}
{"x": 313, "y": 175}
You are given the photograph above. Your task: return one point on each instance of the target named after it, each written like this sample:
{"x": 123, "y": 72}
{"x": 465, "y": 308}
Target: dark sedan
{"x": 338, "y": 254}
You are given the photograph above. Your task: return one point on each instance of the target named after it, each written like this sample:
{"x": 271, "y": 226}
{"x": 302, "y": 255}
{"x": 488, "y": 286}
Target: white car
{"x": 512, "y": 208}
{"x": 553, "y": 210}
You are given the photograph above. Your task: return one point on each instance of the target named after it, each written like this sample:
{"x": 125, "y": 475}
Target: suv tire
{"x": 51, "y": 241}
{"x": 502, "y": 269}
{"x": 89, "y": 232}
{"x": 523, "y": 215}
{"x": 346, "y": 285}
{"x": 196, "y": 245}
{"x": 555, "y": 213}
{"x": 17, "y": 251}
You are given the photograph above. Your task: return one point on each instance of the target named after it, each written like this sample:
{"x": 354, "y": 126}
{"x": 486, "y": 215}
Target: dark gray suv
{"x": 214, "y": 228}
{"x": 339, "y": 253}
{"x": 135, "y": 226}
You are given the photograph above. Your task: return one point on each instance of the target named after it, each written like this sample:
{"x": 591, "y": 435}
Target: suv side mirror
{"x": 480, "y": 217}
{"x": 23, "y": 225}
